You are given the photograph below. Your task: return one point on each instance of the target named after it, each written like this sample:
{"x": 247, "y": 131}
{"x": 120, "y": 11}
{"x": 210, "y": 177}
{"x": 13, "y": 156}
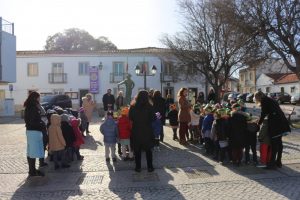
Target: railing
{"x": 116, "y": 77}
{"x": 6, "y": 26}
{"x": 57, "y": 78}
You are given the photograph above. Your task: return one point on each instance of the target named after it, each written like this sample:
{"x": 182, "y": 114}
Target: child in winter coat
{"x": 75, "y": 123}
{"x": 69, "y": 136}
{"x": 220, "y": 130}
{"x": 84, "y": 120}
{"x": 173, "y": 120}
{"x": 237, "y": 133}
{"x": 124, "y": 127}
{"x": 57, "y": 142}
{"x": 109, "y": 129}
{"x": 251, "y": 140}
{"x": 265, "y": 144}
{"x": 157, "y": 126}
{"x": 194, "y": 126}
{"x": 206, "y": 129}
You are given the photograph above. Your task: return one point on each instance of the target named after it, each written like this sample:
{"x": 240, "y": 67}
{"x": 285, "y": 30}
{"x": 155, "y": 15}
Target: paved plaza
{"x": 180, "y": 173}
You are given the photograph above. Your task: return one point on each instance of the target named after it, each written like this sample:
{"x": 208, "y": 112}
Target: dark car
{"x": 242, "y": 96}
{"x": 249, "y": 98}
{"x": 281, "y": 97}
{"x": 61, "y": 100}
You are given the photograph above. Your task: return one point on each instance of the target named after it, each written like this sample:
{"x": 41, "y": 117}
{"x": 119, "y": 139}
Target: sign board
{"x": 94, "y": 80}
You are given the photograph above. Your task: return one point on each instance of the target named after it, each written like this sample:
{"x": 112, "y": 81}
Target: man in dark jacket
{"x": 108, "y": 101}
{"x": 278, "y": 125}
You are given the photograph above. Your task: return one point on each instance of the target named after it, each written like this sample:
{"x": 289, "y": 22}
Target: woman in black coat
{"x": 142, "y": 115}
{"x": 34, "y": 128}
{"x": 277, "y": 126}
{"x": 159, "y": 105}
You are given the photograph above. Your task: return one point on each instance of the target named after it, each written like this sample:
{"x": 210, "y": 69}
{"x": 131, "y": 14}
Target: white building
{"x": 279, "y": 82}
{"x": 68, "y": 72}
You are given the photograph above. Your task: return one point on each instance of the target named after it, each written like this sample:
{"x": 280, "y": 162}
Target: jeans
{"x": 110, "y": 148}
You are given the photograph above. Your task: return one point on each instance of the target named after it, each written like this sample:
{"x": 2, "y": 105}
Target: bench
{"x": 288, "y": 111}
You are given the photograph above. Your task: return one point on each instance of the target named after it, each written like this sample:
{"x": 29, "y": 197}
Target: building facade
{"x": 248, "y": 76}
{"x": 69, "y": 73}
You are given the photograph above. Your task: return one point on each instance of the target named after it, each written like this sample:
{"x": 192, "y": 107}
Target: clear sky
{"x": 127, "y": 23}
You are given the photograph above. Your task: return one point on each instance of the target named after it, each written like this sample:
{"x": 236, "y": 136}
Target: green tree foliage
{"x": 77, "y": 39}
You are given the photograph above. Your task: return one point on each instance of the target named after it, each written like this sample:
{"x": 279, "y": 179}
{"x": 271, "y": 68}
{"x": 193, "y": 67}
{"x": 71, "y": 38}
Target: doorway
{"x": 82, "y": 93}
{"x": 168, "y": 90}
{"x": 192, "y": 94}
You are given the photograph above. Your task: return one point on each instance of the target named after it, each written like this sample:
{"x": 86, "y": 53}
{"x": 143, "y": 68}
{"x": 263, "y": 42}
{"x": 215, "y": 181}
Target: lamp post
{"x": 143, "y": 72}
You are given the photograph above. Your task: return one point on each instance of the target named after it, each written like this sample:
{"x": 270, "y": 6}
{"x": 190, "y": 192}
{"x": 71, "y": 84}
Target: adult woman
{"x": 159, "y": 104}
{"x": 211, "y": 96}
{"x": 277, "y": 126}
{"x": 34, "y": 128}
{"x": 184, "y": 116}
{"x": 200, "y": 98}
{"x": 120, "y": 100}
{"x": 88, "y": 105}
{"x": 141, "y": 114}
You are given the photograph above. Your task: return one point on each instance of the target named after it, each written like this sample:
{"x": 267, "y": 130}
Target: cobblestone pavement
{"x": 181, "y": 173}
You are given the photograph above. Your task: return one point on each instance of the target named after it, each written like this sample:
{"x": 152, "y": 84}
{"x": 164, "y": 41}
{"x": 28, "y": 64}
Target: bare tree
{"x": 277, "y": 22}
{"x": 209, "y": 45}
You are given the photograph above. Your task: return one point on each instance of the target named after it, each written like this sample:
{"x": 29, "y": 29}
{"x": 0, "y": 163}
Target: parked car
{"x": 243, "y": 96}
{"x": 295, "y": 99}
{"x": 281, "y": 97}
{"x": 233, "y": 96}
{"x": 61, "y": 100}
{"x": 249, "y": 98}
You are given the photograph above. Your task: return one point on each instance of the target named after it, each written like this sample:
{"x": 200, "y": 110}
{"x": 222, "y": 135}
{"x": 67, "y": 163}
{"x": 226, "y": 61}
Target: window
{"x": 45, "y": 93}
{"x": 168, "y": 68}
{"x": 2, "y": 94}
{"x": 83, "y": 68}
{"x": 72, "y": 95}
{"x": 293, "y": 89}
{"x": 57, "y": 68}
{"x": 282, "y": 89}
{"x": 32, "y": 69}
{"x": 118, "y": 68}
{"x": 267, "y": 89}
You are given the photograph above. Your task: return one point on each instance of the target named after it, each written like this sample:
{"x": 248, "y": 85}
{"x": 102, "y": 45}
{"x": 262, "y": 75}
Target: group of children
{"x": 65, "y": 133}
{"x": 225, "y": 131}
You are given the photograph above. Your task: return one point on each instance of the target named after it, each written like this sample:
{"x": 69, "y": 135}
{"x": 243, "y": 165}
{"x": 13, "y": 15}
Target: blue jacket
{"x": 207, "y": 122}
{"x": 157, "y": 127}
{"x": 109, "y": 129}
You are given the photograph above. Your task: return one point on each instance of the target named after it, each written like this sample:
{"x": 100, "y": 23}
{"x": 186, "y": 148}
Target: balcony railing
{"x": 116, "y": 77}
{"x": 57, "y": 78}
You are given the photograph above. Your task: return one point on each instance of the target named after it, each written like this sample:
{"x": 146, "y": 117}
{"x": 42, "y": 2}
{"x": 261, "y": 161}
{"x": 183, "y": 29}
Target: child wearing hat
{"x": 173, "y": 120}
{"x": 124, "y": 127}
{"x": 109, "y": 129}
{"x": 206, "y": 129}
{"x": 194, "y": 126}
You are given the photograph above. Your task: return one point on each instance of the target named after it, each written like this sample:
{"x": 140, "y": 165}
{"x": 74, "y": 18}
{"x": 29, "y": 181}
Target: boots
{"x": 32, "y": 169}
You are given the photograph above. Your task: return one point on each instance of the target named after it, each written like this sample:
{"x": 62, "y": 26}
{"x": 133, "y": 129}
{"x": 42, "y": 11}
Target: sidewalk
{"x": 180, "y": 173}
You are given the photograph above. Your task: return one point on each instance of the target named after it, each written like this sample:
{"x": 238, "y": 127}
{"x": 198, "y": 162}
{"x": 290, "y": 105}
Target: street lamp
{"x": 143, "y": 72}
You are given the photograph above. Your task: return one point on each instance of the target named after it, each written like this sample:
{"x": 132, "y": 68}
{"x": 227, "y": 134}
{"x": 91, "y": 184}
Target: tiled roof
{"x": 288, "y": 78}
{"x": 280, "y": 78}
{"x": 147, "y": 50}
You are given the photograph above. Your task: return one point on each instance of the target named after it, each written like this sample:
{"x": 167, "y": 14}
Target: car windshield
{"x": 46, "y": 98}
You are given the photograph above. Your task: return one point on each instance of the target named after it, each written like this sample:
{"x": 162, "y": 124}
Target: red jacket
{"x": 78, "y": 135}
{"x": 124, "y": 126}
